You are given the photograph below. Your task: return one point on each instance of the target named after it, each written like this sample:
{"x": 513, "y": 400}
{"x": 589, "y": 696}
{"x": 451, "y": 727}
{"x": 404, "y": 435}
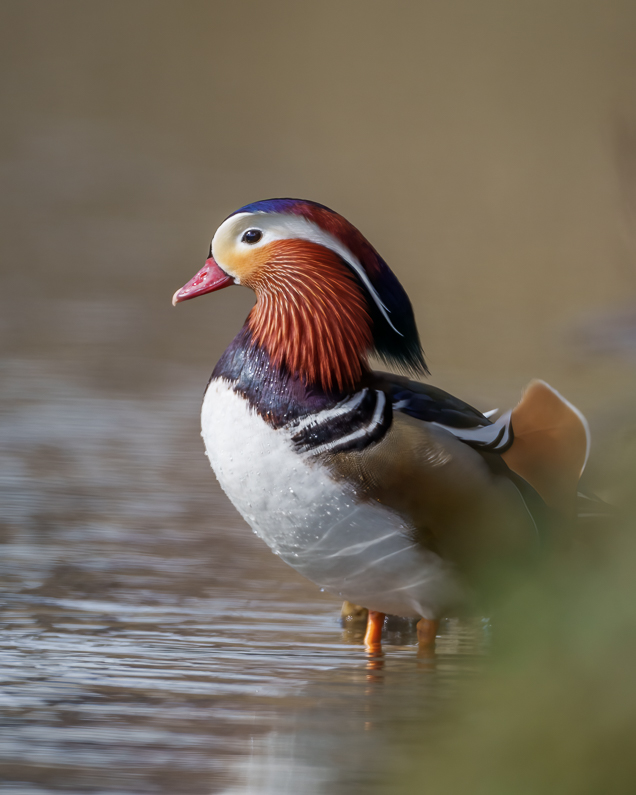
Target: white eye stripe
{"x": 280, "y": 226}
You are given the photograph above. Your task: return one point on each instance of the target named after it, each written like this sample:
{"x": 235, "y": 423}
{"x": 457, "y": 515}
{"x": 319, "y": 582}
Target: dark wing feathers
{"x": 428, "y": 403}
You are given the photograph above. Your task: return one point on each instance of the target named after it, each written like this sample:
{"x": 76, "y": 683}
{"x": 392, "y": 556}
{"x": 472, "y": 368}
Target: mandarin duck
{"x": 385, "y": 491}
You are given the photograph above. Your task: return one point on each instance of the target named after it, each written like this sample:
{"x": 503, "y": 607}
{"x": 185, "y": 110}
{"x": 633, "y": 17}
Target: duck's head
{"x": 325, "y": 297}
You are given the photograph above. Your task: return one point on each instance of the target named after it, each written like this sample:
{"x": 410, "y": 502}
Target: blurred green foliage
{"x": 556, "y": 709}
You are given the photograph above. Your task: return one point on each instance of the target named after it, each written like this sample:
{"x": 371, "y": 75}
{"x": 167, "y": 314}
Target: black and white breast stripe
{"x": 350, "y": 425}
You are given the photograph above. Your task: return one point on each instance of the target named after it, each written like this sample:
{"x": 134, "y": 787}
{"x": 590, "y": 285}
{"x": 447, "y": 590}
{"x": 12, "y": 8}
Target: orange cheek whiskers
{"x": 311, "y": 315}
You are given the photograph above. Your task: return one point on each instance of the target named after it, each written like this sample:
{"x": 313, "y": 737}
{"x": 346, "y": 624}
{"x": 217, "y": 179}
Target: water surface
{"x": 149, "y": 641}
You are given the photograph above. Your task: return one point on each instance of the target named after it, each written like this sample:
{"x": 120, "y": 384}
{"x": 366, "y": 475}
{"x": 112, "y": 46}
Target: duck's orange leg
{"x": 426, "y": 632}
{"x": 373, "y": 635}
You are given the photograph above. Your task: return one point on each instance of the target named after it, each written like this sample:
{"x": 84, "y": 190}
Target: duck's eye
{"x": 252, "y": 236}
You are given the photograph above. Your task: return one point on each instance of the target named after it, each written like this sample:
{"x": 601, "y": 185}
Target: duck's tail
{"x": 551, "y": 446}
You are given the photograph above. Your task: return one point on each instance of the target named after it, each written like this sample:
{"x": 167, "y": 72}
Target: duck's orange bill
{"x": 207, "y": 280}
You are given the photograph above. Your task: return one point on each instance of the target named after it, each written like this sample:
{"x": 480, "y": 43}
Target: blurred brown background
{"x": 486, "y": 149}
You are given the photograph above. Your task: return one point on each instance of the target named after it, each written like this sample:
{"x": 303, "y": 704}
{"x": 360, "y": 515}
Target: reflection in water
{"x": 149, "y": 642}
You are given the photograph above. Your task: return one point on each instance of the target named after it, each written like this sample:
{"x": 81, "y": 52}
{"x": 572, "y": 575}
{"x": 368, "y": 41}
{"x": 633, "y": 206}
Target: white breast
{"x": 358, "y": 550}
